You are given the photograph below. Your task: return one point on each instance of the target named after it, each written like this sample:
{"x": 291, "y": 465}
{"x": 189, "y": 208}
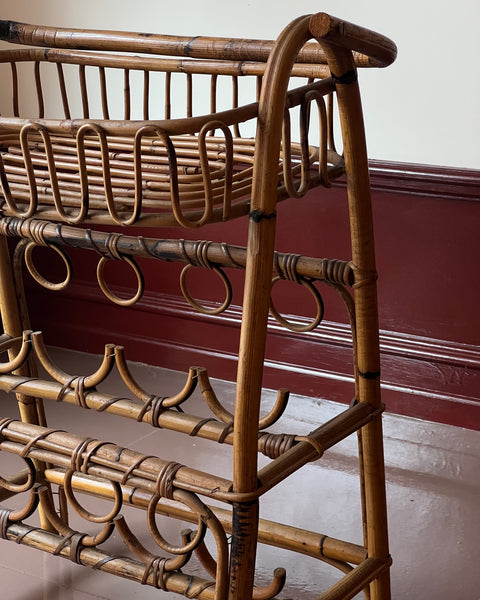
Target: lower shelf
{"x": 71, "y": 466}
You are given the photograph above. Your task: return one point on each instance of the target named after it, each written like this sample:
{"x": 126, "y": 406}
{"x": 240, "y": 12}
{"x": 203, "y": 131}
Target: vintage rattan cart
{"x": 66, "y": 175}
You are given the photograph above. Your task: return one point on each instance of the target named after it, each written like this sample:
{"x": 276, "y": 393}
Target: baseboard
{"x": 425, "y": 180}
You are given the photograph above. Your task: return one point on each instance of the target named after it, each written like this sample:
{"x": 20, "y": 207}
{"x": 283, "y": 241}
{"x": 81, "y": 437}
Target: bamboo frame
{"x": 58, "y": 172}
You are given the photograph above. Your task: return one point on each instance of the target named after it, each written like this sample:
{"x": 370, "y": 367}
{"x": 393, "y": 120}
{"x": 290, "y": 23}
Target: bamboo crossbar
{"x": 316, "y": 443}
{"x": 271, "y": 533}
{"x": 170, "y": 250}
{"x": 168, "y": 65}
{"x": 109, "y": 461}
{"x": 181, "y": 422}
{"x": 355, "y": 581}
{"x": 381, "y": 49}
{"x": 299, "y": 451}
{"x": 92, "y": 557}
{"x": 122, "y": 129}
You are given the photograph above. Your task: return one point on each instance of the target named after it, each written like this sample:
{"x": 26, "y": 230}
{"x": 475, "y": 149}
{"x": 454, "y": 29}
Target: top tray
{"x": 95, "y": 133}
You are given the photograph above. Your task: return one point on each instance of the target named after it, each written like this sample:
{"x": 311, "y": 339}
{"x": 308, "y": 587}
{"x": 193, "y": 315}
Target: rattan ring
{"x": 39, "y": 278}
{"x": 207, "y": 311}
{"x": 160, "y": 540}
{"x": 87, "y": 515}
{"x": 17, "y": 488}
{"x": 318, "y": 303}
{"x": 108, "y": 292}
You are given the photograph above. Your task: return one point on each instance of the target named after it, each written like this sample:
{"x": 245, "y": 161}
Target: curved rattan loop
{"x": 61, "y": 376}
{"x": 18, "y": 488}
{"x": 270, "y": 591}
{"x": 267, "y": 592}
{"x": 28, "y": 163}
{"x": 131, "y": 541}
{"x": 173, "y": 173}
{"x": 106, "y": 175}
{"x": 22, "y": 355}
{"x": 65, "y": 530}
{"x": 141, "y": 394}
{"x": 196, "y": 305}
{"x": 160, "y": 540}
{"x": 202, "y": 553}
{"x": 315, "y": 96}
{"x": 8, "y": 196}
{"x": 318, "y": 303}
{"x": 29, "y": 508}
{"x": 83, "y": 174}
{"x": 107, "y": 291}
{"x": 277, "y": 410}
{"x": 39, "y": 278}
{"x": 216, "y": 528}
{"x": 137, "y": 165}
{"x": 86, "y": 514}
{"x": 227, "y": 175}
{"x": 52, "y": 168}
{"x": 210, "y": 397}
{"x": 288, "y": 168}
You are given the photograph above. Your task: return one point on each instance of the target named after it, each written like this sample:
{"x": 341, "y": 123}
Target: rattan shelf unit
{"x": 95, "y": 151}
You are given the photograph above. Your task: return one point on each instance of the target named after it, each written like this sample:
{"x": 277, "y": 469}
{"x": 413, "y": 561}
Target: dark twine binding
{"x": 345, "y": 79}
{"x": 257, "y": 215}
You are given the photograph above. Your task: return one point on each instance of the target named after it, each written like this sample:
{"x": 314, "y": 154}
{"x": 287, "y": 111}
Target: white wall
{"x": 423, "y": 109}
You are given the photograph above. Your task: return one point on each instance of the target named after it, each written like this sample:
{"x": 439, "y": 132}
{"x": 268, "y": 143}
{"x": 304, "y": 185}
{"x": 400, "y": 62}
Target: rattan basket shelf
{"x": 188, "y": 171}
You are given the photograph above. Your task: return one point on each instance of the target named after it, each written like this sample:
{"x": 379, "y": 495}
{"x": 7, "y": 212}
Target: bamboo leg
{"x": 368, "y": 357}
{"x": 13, "y": 313}
{"x": 249, "y": 384}
{"x": 13, "y": 319}
{"x": 376, "y": 509}
{"x": 342, "y": 65}
{"x": 256, "y": 301}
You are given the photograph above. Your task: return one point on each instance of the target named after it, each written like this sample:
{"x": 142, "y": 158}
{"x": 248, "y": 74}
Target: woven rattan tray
{"x": 64, "y": 157}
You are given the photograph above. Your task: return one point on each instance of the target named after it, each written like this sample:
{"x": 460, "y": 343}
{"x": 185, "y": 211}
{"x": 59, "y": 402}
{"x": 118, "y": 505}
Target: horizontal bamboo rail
{"x": 299, "y": 451}
{"x": 171, "y": 250}
{"x": 211, "y": 66}
{"x": 355, "y": 581}
{"x": 109, "y": 461}
{"x": 181, "y": 422}
{"x": 298, "y": 540}
{"x": 98, "y": 559}
{"x": 377, "y": 49}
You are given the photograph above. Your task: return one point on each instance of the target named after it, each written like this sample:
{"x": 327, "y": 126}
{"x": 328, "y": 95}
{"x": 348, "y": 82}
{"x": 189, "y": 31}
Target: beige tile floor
{"x": 433, "y": 479}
